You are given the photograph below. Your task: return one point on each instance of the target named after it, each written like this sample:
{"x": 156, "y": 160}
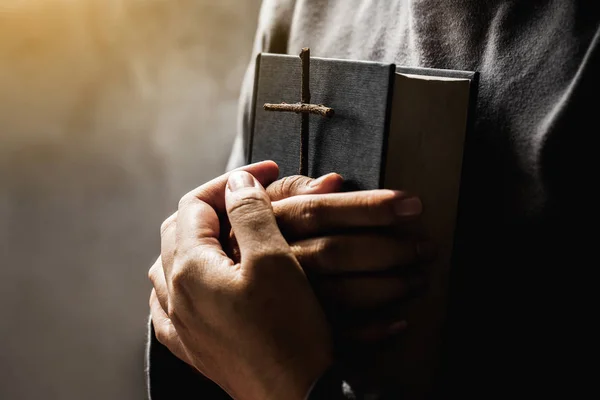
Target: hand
{"x": 362, "y": 278}
{"x": 254, "y": 327}
{"x": 362, "y": 251}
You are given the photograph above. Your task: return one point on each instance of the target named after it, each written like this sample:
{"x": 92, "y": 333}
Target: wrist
{"x": 292, "y": 381}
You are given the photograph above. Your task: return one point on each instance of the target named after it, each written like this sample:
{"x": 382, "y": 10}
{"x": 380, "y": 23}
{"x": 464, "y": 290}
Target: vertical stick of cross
{"x": 304, "y": 108}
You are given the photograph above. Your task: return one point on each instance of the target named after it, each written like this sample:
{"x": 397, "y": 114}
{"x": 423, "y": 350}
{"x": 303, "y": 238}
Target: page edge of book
{"x": 250, "y": 138}
{"x": 443, "y": 73}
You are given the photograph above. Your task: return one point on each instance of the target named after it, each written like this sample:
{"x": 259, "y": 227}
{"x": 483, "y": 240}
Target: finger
{"x": 198, "y": 227}
{"x": 374, "y": 332}
{"x": 289, "y": 186}
{"x": 168, "y": 242}
{"x": 157, "y": 277}
{"x": 198, "y": 210}
{"x": 350, "y": 318}
{"x": 165, "y": 331}
{"x": 309, "y": 215}
{"x": 360, "y": 292}
{"x": 168, "y": 223}
{"x": 211, "y": 192}
{"x": 167, "y": 230}
{"x": 298, "y": 184}
{"x": 193, "y": 250}
{"x": 359, "y": 253}
{"x": 251, "y": 216}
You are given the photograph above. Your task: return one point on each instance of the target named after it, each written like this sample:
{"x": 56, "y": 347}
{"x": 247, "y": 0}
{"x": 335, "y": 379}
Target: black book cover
{"x": 394, "y": 127}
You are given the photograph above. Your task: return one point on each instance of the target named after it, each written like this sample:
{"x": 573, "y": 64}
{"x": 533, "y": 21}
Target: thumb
{"x": 251, "y": 215}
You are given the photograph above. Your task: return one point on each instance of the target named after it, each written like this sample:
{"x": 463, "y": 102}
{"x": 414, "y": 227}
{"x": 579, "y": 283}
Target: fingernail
{"x": 239, "y": 180}
{"x": 315, "y": 183}
{"x": 408, "y": 207}
{"x": 426, "y": 250}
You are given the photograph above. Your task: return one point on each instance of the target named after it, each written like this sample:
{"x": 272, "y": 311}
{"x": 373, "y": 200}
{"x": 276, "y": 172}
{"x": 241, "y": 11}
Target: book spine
{"x": 388, "y": 119}
{"x": 250, "y": 138}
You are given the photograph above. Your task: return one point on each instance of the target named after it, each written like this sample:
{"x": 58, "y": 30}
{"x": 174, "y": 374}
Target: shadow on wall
{"x": 110, "y": 110}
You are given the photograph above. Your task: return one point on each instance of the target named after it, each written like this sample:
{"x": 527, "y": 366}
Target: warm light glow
{"x": 110, "y": 110}
{"x": 54, "y": 53}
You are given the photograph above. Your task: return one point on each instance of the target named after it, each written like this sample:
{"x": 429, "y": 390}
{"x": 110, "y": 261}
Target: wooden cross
{"x": 304, "y": 108}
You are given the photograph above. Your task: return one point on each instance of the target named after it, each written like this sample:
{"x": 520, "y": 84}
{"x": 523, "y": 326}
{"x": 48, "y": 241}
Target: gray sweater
{"x": 519, "y": 307}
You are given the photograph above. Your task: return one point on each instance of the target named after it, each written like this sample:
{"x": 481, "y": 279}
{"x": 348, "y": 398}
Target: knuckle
{"x": 308, "y": 214}
{"x": 287, "y": 187}
{"x": 282, "y": 188}
{"x": 275, "y": 190}
{"x": 292, "y": 184}
{"x": 297, "y": 216}
{"x": 174, "y": 312}
{"x": 299, "y": 251}
{"x": 167, "y": 223}
{"x": 325, "y": 252}
{"x": 250, "y": 203}
{"x": 152, "y": 272}
{"x": 161, "y": 333}
{"x": 181, "y": 277}
{"x": 186, "y": 200}
{"x": 379, "y": 208}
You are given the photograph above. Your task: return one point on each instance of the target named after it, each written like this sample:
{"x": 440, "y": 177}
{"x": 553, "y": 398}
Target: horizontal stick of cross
{"x": 318, "y": 109}
{"x": 304, "y": 108}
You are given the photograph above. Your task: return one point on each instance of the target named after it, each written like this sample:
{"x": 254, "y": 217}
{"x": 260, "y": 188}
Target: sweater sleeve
{"x": 169, "y": 378}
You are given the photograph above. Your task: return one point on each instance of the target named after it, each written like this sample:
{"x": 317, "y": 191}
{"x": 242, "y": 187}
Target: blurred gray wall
{"x": 110, "y": 110}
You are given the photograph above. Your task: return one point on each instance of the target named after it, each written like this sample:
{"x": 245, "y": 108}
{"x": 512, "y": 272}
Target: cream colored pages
{"x": 425, "y": 151}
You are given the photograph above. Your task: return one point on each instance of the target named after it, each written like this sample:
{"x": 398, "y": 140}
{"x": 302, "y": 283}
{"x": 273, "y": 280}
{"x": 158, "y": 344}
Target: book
{"x": 392, "y": 127}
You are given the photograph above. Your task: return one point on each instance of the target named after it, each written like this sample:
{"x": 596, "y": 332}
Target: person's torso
{"x": 526, "y": 164}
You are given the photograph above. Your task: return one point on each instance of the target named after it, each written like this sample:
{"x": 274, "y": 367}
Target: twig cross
{"x": 304, "y": 108}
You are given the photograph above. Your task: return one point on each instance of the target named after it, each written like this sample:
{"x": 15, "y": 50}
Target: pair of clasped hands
{"x": 254, "y": 286}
